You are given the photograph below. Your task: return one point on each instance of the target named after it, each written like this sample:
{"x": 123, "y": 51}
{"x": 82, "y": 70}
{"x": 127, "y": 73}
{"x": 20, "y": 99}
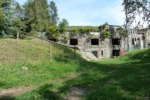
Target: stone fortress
{"x": 112, "y": 46}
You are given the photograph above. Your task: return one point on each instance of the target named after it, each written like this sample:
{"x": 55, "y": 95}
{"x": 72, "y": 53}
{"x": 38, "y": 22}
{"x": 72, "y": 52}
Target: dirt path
{"x": 17, "y": 91}
{"x": 75, "y": 94}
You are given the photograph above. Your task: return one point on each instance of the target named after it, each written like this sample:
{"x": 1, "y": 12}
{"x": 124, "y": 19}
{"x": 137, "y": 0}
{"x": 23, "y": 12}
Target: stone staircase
{"x": 89, "y": 56}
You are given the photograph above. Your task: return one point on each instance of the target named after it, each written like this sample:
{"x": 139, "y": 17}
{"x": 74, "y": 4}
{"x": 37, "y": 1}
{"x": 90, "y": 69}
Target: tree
{"x": 18, "y": 10}
{"x": 62, "y": 25}
{"x": 122, "y": 32}
{"x": 1, "y": 21}
{"x": 53, "y": 14}
{"x": 37, "y": 15}
{"x": 41, "y": 25}
{"x": 18, "y": 22}
{"x": 137, "y": 7}
{"x": 18, "y": 26}
{"x": 6, "y": 7}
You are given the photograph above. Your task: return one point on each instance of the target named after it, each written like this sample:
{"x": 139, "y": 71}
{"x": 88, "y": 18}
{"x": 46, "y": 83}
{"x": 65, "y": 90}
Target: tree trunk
{"x": 17, "y": 34}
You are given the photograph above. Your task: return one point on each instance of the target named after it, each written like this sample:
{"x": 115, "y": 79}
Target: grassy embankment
{"x": 15, "y": 54}
{"x": 123, "y": 78}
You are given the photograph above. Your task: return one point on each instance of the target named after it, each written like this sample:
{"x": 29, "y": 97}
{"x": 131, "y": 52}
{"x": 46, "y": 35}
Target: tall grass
{"x": 34, "y": 55}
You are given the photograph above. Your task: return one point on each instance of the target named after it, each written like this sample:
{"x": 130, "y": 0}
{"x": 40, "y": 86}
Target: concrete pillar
{"x": 141, "y": 43}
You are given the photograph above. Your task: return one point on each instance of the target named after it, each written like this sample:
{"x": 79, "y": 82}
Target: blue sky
{"x": 89, "y": 12}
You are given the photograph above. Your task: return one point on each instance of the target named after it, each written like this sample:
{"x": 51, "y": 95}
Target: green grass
{"x": 122, "y": 78}
{"x": 34, "y": 55}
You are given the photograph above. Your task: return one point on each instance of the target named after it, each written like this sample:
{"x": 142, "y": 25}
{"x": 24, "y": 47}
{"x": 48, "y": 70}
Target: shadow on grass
{"x": 46, "y": 93}
{"x": 7, "y": 98}
{"x": 114, "y": 83}
{"x": 128, "y": 80}
{"x": 42, "y": 93}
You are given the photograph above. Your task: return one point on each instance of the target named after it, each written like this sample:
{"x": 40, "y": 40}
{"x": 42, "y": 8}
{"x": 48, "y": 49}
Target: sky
{"x": 89, "y": 12}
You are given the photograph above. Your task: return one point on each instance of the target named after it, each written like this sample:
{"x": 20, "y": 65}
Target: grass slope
{"x": 122, "y": 78}
{"x": 15, "y": 54}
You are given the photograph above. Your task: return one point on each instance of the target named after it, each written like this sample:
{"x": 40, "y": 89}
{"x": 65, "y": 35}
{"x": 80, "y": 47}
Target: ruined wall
{"x": 106, "y": 48}
{"x": 147, "y": 39}
{"x": 102, "y": 50}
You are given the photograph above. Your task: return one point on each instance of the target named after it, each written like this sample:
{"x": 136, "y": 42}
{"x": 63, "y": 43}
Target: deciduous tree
{"x": 37, "y": 15}
{"x": 53, "y": 14}
{"x": 62, "y": 25}
{"x": 6, "y": 7}
{"x": 135, "y": 8}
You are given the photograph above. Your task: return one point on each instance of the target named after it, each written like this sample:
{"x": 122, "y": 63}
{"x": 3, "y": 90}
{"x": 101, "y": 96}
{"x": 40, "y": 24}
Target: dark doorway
{"x": 102, "y": 53}
{"x": 73, "y": 41}
{"x": 95, "y": 53}
{"x": 132, "y": 41}
{"x": 95, "y": 41}
{"x": 55, "y": 40}
{"x": 116, "y": 41}
{"x": 116, "y": 52}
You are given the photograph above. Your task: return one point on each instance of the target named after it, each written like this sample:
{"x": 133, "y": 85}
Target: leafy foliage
{"x": 93, "y": 28}
{"x": 53, "y": 14}
{"x": 73, "y": 32}
{"x": 18, "y": 10}
{"x": 1, "y": 20}
{"x": 52, "y": 32}
{"x": 137, "y": 7}
{"x": 37, "y": 15}
{"x": 104, "y": 30}
{"x": 18, "y": 26}
{"x": 7, "y": 13}
{"x": 62, "y": 25}
{"x": 105, "y": 34}
{"x": 122, "y": 32}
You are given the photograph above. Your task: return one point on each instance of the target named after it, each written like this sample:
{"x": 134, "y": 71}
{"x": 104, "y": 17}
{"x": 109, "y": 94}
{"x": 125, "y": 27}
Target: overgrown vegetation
{"x": 105, "y": 32}
{"x": 94, "y": 28}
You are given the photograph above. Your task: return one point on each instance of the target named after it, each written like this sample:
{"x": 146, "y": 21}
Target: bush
{"x": 52, "y": 32}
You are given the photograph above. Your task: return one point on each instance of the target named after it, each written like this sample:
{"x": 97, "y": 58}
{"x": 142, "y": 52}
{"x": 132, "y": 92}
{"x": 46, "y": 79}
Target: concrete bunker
{"x": 95, "y": 41}
{"x": 73, "y": 41}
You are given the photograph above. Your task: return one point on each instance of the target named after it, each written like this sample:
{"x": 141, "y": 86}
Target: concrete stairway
{"x": 89, "y": 56}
